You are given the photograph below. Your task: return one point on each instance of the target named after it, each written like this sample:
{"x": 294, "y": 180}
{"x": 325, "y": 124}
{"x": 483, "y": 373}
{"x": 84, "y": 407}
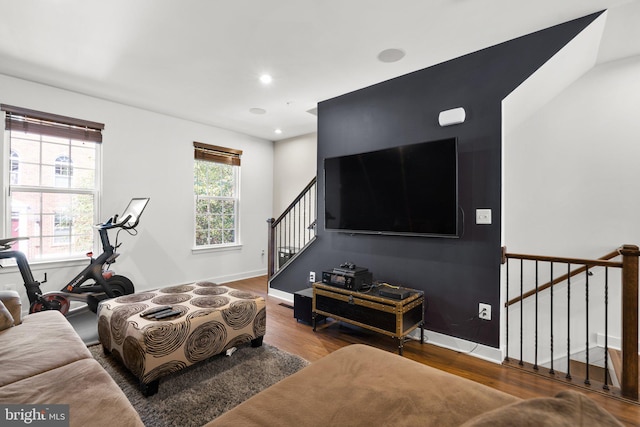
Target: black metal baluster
{"x": 291, "y": 225}
{"x": 506, "y": 357}
{"x": 279, "y": 243}
{"x": 568, "y": 376}
{"x": 521, "y": 363}
{"x": 535, "y": 364}
{"x": 606, "y": 329}
{"x": 307, "y": 216}
{"x": 297, "y": 210}
{"x": 586, "y": 287}
{"x": 551, "y": 371}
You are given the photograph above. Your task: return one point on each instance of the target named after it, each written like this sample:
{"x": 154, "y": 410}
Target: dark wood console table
{"x": 393, "y": 317}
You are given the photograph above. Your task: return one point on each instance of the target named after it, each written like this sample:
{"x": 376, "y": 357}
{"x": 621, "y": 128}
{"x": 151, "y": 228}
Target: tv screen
{"x": 406, "y": 190}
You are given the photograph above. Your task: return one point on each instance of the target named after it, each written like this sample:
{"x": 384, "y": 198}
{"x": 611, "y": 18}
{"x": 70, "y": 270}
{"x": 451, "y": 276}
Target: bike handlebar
{"x": 6, "y": 243}
{"x": 112, "y": 223}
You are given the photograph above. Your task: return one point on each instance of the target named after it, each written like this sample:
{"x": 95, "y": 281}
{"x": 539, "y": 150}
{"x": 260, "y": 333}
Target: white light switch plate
{"x": 483, "y": 216}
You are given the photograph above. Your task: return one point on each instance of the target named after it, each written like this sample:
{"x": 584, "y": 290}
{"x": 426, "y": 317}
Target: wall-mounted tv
{"x": 406, "y": 190}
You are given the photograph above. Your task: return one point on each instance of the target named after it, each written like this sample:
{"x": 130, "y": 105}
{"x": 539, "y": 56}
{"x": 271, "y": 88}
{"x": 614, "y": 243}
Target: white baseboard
{"x": 613, "y": 342}
{"x": 285, "y": 296}
{"x": 471, "y": 348}
{"x": 238, "y": 276}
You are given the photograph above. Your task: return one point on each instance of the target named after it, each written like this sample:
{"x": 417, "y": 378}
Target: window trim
{"x": 32, "y": 121}
{"x": 226, "y": 156}
{"x": 73, "y": 129}
{"x": 216, "y": 154}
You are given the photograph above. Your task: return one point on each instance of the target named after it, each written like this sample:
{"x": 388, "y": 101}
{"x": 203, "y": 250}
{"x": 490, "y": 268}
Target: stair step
{"x": 616, "y": 361}
{"x": 596, "y": 373}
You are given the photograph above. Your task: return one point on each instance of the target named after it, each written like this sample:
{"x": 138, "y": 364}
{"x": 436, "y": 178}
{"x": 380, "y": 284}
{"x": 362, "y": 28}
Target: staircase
{"x": 293, "y": 231}
{"x": 550, "y": 325}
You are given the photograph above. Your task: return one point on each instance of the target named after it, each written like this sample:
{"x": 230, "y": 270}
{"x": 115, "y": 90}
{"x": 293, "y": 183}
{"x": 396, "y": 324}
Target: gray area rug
{"x": 200, "y": 393}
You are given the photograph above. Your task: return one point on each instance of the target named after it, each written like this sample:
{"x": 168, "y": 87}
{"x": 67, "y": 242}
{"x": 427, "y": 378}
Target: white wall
{"x": 571, "y": 171}
{"x": 148, "y": 154}
{"x": 571, "y": 189}
{"x": 294, "y": 167}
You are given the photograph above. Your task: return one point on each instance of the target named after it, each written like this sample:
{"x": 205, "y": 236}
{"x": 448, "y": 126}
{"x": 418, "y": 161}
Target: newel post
{"x": 270, "y": 251}
{"x": 629, "y": 382}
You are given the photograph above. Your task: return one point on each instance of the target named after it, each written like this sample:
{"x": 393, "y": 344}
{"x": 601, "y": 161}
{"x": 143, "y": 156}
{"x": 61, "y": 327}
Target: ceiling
{"x": 201, "y": 59}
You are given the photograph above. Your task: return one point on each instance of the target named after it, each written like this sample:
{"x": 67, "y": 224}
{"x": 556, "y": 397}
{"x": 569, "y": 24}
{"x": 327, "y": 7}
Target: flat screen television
{"x": 406, "y": 190}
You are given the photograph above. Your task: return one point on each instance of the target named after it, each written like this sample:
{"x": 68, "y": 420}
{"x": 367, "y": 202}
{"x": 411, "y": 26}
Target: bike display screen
{"x": 134, "y": 210}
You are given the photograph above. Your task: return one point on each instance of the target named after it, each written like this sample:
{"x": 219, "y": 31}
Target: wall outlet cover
{"x": 484, "y": 311}
{"x": 483, "y": 216}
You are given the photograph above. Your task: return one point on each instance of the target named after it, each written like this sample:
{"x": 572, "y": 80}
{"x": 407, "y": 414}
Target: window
{"x": 216, "y": 175}
{"x": 52, "y": 199}
{"x": 14, "y": 167}
{"x": 63, "y": 171}
{"x": 62, "y": 228}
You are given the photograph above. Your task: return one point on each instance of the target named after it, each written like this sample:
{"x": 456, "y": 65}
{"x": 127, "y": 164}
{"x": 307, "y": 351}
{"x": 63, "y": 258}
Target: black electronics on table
{"x": 348, "y": 276}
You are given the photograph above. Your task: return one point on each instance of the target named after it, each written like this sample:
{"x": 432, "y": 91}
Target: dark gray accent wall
{"x": 455, "y": 274}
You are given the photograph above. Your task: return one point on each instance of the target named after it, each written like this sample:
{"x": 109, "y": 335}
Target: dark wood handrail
{"x": 564, "y": 277}
{"x": 292, "y": 204}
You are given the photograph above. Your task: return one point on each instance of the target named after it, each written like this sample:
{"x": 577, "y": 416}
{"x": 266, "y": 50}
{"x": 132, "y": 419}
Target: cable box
{"x": 394, "y": 293}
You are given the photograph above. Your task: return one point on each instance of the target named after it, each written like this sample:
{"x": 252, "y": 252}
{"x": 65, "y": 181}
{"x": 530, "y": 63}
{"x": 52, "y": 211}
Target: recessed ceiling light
{"x": 278, "y": 131}
{"x": 391, "y": 55}
{"x": 266, "y": 79}
{"x": 257, "y": 110}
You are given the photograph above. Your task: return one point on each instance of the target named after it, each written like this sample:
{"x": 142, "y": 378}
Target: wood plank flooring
{"x": 284, "y": 332}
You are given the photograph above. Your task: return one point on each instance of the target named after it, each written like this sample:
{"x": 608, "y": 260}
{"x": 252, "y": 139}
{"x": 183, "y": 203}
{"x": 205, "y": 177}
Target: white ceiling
{"x": 201, "y": 59}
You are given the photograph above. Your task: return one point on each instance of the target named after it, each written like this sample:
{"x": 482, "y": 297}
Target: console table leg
{"x": 422, "y": 334}
{"x": 401, "y": 346}
{"x": 313, "y": 321}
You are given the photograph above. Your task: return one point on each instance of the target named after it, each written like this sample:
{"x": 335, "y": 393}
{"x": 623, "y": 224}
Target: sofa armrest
{"x": 11, "y": 300}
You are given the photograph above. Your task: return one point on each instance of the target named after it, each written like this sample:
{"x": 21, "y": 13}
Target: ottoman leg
{"x": 257, "y": 342}
{"x": 149, "y": 389}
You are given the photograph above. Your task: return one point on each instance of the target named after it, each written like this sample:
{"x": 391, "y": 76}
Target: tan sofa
{"x": 360, "y": 385}
{"x": 44, "y": 361}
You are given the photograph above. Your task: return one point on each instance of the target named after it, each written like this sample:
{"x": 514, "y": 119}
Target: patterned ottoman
{"x": 211, "y": 319}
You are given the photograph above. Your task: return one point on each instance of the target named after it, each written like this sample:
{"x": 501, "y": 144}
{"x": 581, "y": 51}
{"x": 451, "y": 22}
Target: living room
{"x": 567, "y": 203}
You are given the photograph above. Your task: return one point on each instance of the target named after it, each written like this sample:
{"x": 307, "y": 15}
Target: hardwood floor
{"x": 284, "y": 332}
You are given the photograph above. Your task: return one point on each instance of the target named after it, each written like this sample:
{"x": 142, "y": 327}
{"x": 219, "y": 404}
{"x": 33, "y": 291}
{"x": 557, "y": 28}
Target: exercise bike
{"x": 105, "y": 283}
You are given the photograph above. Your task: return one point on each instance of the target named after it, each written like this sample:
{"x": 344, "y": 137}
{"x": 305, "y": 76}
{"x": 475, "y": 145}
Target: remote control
{"x": 155, "y": 310}
{"x": 164, "y": 314}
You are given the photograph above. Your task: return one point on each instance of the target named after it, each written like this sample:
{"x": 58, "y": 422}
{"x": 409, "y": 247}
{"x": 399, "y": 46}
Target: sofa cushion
{"x": 6, "y": 319}
{"x": 567, "y": 409}
{"x": 43, "y": 341}
{"x": 362, "y": 385}
{"x": 93, "y": 397}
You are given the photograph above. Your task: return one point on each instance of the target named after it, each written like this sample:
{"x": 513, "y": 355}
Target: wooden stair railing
{"x": 293, "y": 230}
{"x": 557, "y": 280}
{"x": 629, "y": 307}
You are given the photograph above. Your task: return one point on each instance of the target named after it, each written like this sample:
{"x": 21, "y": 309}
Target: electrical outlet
{"x": 484, "y": 311}
{"x": 312, "y": 276}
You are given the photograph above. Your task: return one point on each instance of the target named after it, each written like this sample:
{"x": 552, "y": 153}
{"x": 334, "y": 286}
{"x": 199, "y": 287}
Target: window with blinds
{"x": 217, "y": 193}
{"x": 53, "y": 182}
